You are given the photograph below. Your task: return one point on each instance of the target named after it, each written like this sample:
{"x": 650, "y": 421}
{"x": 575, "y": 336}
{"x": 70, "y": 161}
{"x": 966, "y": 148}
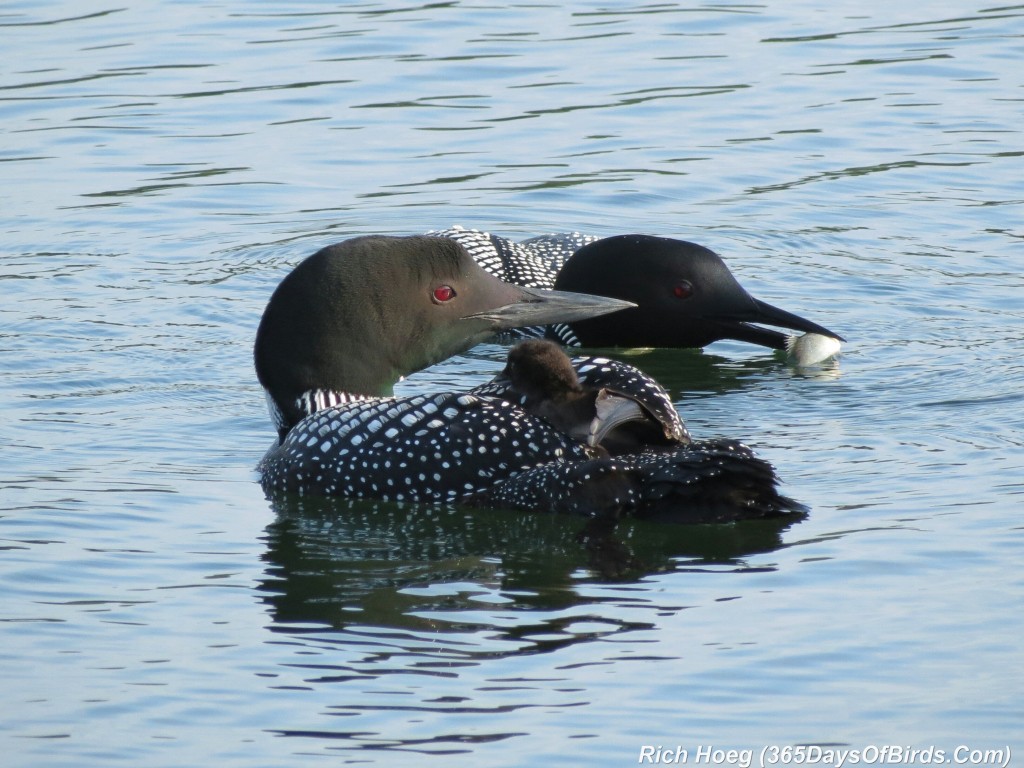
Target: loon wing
{"x": 617, "y": 378}
{"x": 629, "y": 382}
{"x": 710, "y": 482}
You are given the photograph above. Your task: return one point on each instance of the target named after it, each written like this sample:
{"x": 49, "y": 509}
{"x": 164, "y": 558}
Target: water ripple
{"x": 165, "y": 163}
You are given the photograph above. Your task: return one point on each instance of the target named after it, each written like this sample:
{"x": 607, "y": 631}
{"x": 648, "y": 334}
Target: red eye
{"x": 683, "y": 290}
{"x": 443, "y": 294}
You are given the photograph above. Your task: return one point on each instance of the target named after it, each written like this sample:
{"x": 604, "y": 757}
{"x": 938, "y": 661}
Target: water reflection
{"x": 343, "y": 563}
{"x": 687, "y": 371}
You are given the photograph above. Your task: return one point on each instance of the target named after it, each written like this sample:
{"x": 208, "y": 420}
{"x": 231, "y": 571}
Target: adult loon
{"x": 350, "y": 320}
{"x": 685, "y": 294}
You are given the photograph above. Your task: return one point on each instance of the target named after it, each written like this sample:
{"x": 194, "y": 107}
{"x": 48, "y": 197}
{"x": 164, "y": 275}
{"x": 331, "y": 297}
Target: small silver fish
{"x": 811, "y": 348}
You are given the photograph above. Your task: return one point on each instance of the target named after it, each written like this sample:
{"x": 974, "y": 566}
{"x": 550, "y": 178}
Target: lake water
{"x": 164, "y": 163}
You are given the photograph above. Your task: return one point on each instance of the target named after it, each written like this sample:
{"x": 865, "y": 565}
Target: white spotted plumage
{"x": 478, "y": 448}
{"x": 398, "y": 449}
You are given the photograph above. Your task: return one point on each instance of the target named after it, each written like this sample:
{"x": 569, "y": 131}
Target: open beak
{"x": 741, "y": 325}
{"x": 538, "y": 306}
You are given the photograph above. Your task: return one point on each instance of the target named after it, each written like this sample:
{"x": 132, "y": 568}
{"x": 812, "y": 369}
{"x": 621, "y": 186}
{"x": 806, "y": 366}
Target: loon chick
{"x": 685, "y": 294}
{"x": 346, "y": 323}
{"x": 615, "y": 407}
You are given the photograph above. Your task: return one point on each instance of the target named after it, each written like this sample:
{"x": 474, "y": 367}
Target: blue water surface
{"x": 163, "y": 164}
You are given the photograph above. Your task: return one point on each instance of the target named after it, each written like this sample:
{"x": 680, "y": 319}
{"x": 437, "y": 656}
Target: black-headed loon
{"x": 352, "y": 319}
{"x": 685, "y": 294}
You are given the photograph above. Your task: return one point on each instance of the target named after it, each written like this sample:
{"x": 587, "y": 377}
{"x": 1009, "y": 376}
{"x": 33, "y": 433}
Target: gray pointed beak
{"x": 538, "y": 306}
